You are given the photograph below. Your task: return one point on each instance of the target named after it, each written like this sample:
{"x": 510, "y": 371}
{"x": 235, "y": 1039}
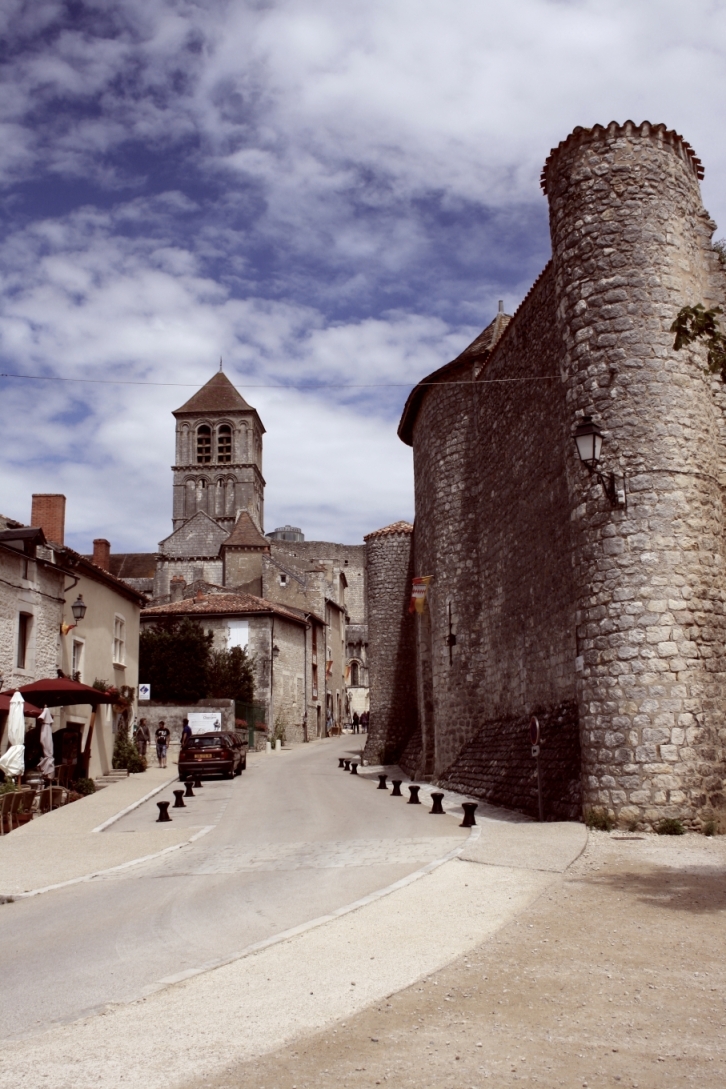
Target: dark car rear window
{"x": 207, "y": 742}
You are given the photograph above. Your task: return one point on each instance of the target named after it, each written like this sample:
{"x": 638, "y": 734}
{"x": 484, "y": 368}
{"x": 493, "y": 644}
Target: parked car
{"x": 212, "y": 754}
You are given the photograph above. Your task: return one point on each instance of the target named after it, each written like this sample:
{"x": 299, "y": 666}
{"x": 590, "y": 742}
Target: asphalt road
{"x": 292, "y": 839}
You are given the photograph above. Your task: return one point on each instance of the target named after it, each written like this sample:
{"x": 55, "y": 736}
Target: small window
{"x": 204, "y": 444}
{"x": 24, "y": 622}
{"x": 119, "y": 641}
{"x": 283, "y": 580}
{"x": 354, "y": 674}
{"x": 77, "y": 660}
{"x": 224, "y": 443}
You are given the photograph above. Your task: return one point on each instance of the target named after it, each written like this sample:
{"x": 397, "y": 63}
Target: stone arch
{"x": 190, "y": 497}
{"x": 224, "y": 453}
{"x": 203, "y": 453}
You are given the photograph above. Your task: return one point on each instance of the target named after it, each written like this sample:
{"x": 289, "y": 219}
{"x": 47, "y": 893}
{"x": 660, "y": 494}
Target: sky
{"x": 332, "y": 197}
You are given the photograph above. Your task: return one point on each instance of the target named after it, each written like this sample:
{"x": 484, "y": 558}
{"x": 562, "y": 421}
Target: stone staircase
{"x": 110, "y": 777}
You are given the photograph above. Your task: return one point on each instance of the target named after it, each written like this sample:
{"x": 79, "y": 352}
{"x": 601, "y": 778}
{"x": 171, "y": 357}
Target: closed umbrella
{"x": 13, "y": 761}
{"x": 47, "y": 764}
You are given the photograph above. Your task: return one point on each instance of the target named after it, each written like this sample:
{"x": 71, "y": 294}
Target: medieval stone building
{"x": 298, "y": 606}
{"x": 590, "y": 595}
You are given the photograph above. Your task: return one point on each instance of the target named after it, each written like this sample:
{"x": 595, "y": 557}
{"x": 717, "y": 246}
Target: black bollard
{"x": 437, "y": 800}
{"x": 188, "y": 793}
{"x": 197, "y": 781}
{"x": 413, "y": 791}
{"x": 163, "y": 812}
{"x": 396, "y": 792}
{"x": 353, "y": 768}
{"x": 178, "y": 799}
{"x": 346, "y": 764}
{"x": 468, "y": 821}
{"x": 341, "y": 762}
{"x": 382, "y": 782}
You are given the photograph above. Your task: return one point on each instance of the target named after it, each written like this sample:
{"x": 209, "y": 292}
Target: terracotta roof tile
{"x": 237, "y": 604}
{"x": 390, "y": 531}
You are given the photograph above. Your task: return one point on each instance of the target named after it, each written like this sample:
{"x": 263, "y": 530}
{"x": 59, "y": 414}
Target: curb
{"x": 134, "y": 805}
{"x": 111, "y": 869}
{"x": 293, "y": 932}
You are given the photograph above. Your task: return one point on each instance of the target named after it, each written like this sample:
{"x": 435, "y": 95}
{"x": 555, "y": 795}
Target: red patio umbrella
{"x": 29, "y": 709}
{"x": 61, "y": 692}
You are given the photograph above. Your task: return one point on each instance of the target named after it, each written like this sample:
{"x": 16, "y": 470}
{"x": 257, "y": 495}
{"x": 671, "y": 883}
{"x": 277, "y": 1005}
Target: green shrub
{"x": 125, "y": 753}
{"x": 670, "y": 826}
{"x": 84, "y": 786}
{"x": 599, "y": 819}
{"x": 7, "y": 787}
{"x": 709, "y": 828}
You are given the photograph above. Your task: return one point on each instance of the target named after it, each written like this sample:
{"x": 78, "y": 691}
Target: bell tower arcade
{"x": 218, "y": 465}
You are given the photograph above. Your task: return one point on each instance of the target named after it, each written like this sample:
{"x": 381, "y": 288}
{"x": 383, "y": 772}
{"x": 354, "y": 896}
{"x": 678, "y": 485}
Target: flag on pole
{"x": 419, "y": 590}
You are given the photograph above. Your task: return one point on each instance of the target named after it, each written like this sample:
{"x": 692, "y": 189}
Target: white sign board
{"x": 205, "y": 722}
{"x": 144, "y": 691}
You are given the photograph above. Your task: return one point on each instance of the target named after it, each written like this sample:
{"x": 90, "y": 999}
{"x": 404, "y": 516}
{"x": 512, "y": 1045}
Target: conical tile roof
{"x": 246, "y": 534}
{"x": 218, "y": 395}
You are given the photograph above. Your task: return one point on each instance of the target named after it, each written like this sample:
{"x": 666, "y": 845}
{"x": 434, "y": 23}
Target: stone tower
{"x": 631, "y": 245}
{"x": 218, "y": 466}
{"x": 391, "y": 636}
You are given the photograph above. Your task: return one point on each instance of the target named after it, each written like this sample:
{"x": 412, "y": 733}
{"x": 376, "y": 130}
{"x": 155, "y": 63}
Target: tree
{"x": 174, "y": 658}
{"x": 230, "y": 675}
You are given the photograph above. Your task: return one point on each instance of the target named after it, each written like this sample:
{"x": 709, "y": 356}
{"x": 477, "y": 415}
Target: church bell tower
{"x": 218, "y": 466}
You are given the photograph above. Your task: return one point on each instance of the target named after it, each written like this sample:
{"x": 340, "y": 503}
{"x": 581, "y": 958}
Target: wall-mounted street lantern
{"x": 78, "y": 608}
{"x": 588, "y": 439}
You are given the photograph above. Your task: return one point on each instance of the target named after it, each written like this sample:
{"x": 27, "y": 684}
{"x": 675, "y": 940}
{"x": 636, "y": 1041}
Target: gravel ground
{"x": 615, "y": 976}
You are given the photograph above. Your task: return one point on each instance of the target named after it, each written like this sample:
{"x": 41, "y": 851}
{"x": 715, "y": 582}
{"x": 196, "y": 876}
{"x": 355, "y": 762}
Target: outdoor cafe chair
{"x": 11, "y": 808}
{"x": 24, "y": 810}
{"x": 5, "y": 800}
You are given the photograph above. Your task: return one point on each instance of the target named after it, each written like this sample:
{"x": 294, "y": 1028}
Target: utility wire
{"x": 280, "y": 385}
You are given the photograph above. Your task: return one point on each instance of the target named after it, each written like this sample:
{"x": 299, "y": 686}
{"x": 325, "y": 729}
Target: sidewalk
{"x": 62, "y": 846}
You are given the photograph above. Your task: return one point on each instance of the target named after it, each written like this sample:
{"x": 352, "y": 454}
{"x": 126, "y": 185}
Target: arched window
{"x": 202, "y": 495}
{"x": 354, "y": 674}
{"x": 204, "y": 444}
{"x": 224, "y": 443}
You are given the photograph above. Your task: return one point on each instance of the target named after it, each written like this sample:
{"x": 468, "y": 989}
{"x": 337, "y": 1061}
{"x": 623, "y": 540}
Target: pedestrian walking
{"x": 162, "y": 744}
{"x": 364, "y": 722}
{"x": 356, "y": 723}
{"x": 186, "y": 732}
{"x": 143, "y": 737}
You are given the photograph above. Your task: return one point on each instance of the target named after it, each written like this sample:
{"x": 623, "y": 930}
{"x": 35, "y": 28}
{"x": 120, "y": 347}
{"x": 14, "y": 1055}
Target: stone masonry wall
{"x": 492, "y": 527}
{"x": 391, "y": 652}
{"x": 41, "y": 596}
{"x": 631, "y": 246}
{"x": 497, "y": 765}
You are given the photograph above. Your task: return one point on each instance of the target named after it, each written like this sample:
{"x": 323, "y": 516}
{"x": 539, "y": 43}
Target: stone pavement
{"x": 66, "y": 845}
{"x": 307, "y": 979}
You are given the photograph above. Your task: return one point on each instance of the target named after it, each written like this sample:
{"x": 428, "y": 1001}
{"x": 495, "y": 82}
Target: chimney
{"x": 49, "y": 514}
{"x": 102, "y": 553}
{"x": 177, "y": 587}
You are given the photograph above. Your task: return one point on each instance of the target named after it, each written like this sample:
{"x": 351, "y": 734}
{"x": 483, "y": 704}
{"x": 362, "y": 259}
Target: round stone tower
{"x": 631, "y": 246}
{"x": 391, "y": 642}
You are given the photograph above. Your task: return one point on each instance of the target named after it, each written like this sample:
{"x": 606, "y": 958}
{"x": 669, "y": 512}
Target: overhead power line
{"x": 309, "y": 387}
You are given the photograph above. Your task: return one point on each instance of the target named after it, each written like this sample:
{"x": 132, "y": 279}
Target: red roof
{"x": 237, "y": 604}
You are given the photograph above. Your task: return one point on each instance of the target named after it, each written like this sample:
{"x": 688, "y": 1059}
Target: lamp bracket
{"x": 614, "y": 486}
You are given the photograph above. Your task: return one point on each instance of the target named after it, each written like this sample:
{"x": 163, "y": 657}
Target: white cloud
{"x": 340, "y": 146}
